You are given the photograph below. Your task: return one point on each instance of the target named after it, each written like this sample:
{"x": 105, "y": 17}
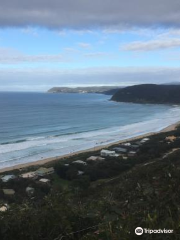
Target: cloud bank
{"x": 43, "y": 79}
{"x": 87, "y": 13}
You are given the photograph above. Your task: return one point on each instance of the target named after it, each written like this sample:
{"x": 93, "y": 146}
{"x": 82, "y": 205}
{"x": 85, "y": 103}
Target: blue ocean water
{"x": 35, "y": 126}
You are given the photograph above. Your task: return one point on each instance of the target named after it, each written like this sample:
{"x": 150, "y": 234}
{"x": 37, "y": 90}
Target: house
{"x": 44, "y": 180}
{"x": 131, "y": 153}
{"x": 107, "y": 153}
{"x": 6, "y": 178}
{"x": 80, "y": 162}
{"x": 95, "y": 158}
{"x": 120, "y": 150}
{"x": 67, "y": 164}
{"x": 44, "y": 171}
{"x": 135, "y": 146}
{"x": 127, "y": 144}
{"x": 144, "y": 140}
{"x": 171, "y": 138}
{"x": 8, "y": 191}
{"x": 30, "y": 191}
{"x": 28, "y": 175}
{"x": 4, "y": 208}
{"x": 80, "y": 173}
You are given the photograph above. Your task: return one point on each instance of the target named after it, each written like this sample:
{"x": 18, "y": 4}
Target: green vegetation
{"x": 149, "y": 93}
{"x": 108, "y": 201}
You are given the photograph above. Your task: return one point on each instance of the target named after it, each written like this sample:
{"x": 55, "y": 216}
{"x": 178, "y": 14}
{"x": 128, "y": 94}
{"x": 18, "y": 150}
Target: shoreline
{"x": 41, "y": 162}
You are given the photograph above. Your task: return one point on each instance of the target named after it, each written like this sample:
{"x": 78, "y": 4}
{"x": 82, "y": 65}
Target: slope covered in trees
{"x": 149, "y": 93}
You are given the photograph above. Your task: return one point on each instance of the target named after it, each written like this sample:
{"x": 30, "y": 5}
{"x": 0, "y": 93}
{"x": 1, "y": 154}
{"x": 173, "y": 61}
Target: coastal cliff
{"x": 149, "y": 93}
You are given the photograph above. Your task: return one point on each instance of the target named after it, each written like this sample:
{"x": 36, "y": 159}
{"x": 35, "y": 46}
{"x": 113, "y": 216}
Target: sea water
{"x": 35, "y": 126}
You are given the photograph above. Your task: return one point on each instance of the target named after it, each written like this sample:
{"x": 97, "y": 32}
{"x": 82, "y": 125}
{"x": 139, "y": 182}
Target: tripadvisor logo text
{"x": 140, "y": 231}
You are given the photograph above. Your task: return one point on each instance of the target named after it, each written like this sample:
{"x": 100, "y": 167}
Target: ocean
{"x": 36, "y": 126}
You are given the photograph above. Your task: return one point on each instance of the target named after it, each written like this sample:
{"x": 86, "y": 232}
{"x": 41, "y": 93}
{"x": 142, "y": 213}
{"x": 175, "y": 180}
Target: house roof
{"x": 95, "y": 158}
{"x": 171, "y": 138}
{"x": 79, "y": 161}
{"x": 44, "y": 180}
{"x": 43, "y": 170}
{"x": 28, "y": 175}
{"x": 4, "y": 208}
{"x": 8, "y": 191}
{"x": 80, "y": 172}
{"x": 6, "y": 178}
{"x": 120, "y": 149}
{"x": 107, "y": 151}
{"x": 127, "y": 144}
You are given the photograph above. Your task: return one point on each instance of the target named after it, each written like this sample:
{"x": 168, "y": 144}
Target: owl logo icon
{"x": 138, "y": 231}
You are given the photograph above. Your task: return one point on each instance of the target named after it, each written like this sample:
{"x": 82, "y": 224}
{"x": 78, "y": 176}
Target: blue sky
{"x": 82, "y": 49}
{"x": 35, "y": 56}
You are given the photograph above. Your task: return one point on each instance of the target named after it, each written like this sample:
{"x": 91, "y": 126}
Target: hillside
{"x": 149, "y": 93}
{"x": 109, "y": 90}
{"x": 109, "y": 201}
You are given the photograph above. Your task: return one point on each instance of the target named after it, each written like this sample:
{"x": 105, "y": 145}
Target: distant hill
{"x": 149, "y": 93}
{"x": 108, "y": 90}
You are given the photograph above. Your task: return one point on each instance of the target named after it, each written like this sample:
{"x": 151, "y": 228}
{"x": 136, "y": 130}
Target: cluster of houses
{"x": 39, "y": 175}
{"x": 124, "y": 150}
{"x": 41, "y": 172}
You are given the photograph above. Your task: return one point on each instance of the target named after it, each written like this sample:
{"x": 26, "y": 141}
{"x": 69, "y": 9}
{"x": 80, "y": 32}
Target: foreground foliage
{"x": 147, "y": 194}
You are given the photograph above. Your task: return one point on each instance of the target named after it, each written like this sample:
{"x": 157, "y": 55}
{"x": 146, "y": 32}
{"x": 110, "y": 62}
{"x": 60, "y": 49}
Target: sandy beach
{"x": 57, "y": 158}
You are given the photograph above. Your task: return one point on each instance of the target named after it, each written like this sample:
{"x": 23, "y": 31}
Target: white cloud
{"x": 12, "y": 56}
{"x": 100, "y": 55}
{"x": 84, "y": 45}
{"x": 30, "y": 31}
{"x": 157, "y": 44}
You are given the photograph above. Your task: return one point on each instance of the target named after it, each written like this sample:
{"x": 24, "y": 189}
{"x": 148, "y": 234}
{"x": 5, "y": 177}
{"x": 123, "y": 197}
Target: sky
{"x": 44, "y": 43}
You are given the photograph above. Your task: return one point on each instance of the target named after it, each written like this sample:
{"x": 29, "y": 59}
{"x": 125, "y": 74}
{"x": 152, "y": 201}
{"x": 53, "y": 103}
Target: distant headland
{"x": 109, "y": 90}
{"x": 149, "y": 93}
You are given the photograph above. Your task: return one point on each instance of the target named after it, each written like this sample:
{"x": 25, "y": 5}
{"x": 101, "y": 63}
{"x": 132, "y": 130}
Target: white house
{"x": 80, "y": 162}
{"x": 131, "y": 153}
{"x": 107, "y": 153}
{"x": 80, "y": 173}
{"x": 28, "y": 175}
{"x": 144, "y": 140}
{"x": 95, "y": 158}
{"x": 44, "y": 180}
{"x": 127, "y": 144}
{"x": 6, "y": 178}
{"x": 4, "y": 208}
